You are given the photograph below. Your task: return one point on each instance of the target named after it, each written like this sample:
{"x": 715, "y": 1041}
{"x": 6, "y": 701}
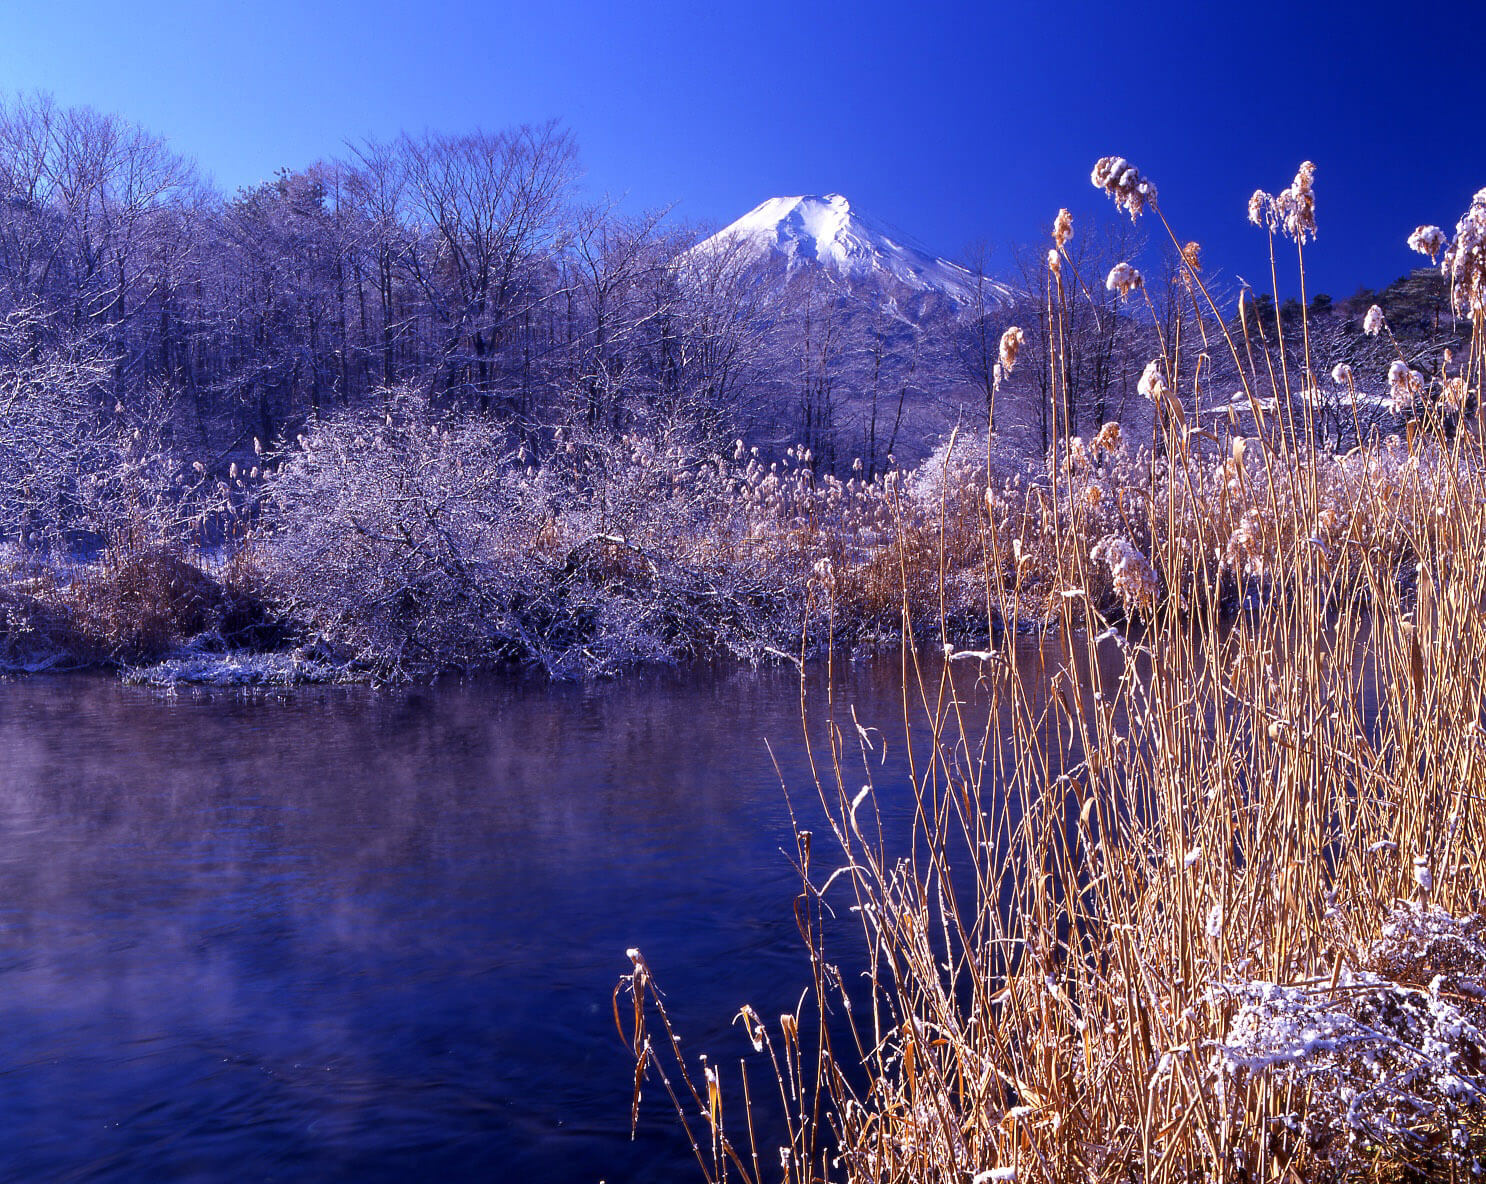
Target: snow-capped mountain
{"x": 827, "y": 231}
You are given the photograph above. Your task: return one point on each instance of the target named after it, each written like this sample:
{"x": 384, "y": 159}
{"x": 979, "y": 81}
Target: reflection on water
{"x": 339, "y": 934}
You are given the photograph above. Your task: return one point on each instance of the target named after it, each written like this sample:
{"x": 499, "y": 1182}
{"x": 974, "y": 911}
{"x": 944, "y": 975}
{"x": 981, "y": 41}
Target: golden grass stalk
{"x": 1195, "y": 898}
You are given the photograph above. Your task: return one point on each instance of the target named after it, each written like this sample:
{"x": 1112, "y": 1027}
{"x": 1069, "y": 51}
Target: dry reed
{"x": 1202, "y": 901}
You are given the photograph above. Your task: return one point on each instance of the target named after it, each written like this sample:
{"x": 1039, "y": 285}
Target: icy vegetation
{"x": 415, "y": 545}
{"x": 1391, "y": 1055}
{"x": 1196, "y": 893}
{"x": 418, "y": 411}
{"x": 424, "y": 408}
{"x": 236, "y": 669}
{"x": 413, "y": 540}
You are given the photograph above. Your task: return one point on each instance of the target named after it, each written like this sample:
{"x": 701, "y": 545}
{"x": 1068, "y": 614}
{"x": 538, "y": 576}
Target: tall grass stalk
{"x": 1197, "y": 901}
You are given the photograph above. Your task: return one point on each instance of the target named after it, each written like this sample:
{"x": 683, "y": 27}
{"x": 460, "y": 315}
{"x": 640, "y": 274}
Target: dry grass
{"x": 1203, "y": 902}
{"x": 132, "y": 606}
{"x": 141, "y": 605}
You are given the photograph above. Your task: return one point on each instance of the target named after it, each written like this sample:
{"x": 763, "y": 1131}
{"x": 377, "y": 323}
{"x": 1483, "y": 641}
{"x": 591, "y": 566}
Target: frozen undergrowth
{"x": 237, "y": 669}
{"x": 1390, "y": 1058}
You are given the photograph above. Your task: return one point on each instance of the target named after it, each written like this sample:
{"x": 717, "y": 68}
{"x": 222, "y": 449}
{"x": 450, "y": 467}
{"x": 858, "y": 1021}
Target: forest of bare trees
{"x": 463, "y": 265}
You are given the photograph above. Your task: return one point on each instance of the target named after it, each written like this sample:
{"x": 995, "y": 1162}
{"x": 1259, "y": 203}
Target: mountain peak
{"x": 826, "y": 230}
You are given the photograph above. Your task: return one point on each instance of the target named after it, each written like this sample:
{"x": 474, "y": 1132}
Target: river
{"x": 336, "y": 933}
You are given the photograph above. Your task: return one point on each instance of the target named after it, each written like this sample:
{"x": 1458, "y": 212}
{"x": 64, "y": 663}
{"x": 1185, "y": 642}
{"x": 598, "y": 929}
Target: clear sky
{"x": 956, "y": 122}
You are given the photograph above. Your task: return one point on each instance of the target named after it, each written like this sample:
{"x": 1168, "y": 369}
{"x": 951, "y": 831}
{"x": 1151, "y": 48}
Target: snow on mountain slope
{"x": 826, "y": 230}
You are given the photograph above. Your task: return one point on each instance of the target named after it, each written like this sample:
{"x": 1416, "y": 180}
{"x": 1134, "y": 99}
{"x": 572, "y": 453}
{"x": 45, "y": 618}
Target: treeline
{"x": 456, "y": 261}
{"x": 466, "y": 265}
{"x": 463, "y": 265}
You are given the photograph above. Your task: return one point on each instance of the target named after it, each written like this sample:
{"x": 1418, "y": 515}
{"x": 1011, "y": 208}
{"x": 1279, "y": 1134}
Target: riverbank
{"x": 1197, "y": 901}
{"x": 586, "y": 568}
{"x": 664, "y": 559}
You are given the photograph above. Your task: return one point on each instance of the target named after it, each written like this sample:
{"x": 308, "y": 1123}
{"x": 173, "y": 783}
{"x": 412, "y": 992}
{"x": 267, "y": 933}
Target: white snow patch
{"x": 235, "y": 669}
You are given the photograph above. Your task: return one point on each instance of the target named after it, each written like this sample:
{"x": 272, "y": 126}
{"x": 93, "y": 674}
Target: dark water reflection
{"x": 347, "y": 935}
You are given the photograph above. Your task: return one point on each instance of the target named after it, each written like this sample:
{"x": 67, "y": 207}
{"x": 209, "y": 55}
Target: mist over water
{"x": 343, "y": 934}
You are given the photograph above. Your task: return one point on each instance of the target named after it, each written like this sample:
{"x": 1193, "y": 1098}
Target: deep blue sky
{"x": 956, "y": 122}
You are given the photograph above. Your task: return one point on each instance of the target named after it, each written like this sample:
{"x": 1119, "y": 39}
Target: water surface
{"x": 339, "y": 934}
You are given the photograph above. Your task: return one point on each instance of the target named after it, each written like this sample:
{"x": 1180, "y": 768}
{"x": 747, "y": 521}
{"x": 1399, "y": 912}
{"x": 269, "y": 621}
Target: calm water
{"x": 340, "y": 934}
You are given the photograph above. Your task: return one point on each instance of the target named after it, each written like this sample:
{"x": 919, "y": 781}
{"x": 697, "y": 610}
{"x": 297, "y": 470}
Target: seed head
{"x": 1011, "y": 344}
{"x": 1062, "y": 228}
{"x": 1295, "y": 207}
{"x": 1373, "y": 323}
{"x": 1123, "y": 182}
{"x": 1131, "y": 573}
{"x": 1152, "y": 384}
{"x": 1427, "y": 240}
{"x": 1108, "y": 437}
{"x": 1341, "y": 374}
{"x": 1403, "y": 385}
{"x": 1261, "y": 209}
{"x": 1464, "y": 263}
{"x": 1123, "y": 279}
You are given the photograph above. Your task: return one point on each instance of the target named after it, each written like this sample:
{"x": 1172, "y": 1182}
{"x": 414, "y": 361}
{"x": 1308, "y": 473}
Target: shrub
{"x": 416, "y": 542}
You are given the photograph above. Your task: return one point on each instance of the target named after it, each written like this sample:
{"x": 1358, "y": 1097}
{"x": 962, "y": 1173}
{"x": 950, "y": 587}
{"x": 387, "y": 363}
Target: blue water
{"x": 339, "y": 934}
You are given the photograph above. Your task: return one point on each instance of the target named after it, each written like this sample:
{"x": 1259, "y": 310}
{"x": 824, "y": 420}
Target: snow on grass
{"x": 236, "y": 669}
{"x": 1393, "y": 1053}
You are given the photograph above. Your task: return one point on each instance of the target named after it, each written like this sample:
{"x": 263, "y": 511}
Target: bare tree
{"x": 613, "y": 280}
{"x": 486, "y": 207}
{"x": 714, "y": 346}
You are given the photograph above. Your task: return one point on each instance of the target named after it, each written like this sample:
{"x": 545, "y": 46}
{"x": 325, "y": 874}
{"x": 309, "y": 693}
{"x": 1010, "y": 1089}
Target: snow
{"x": 235, "y": 669}
{"x": 1389, "y": 1049}
{"x": 826, "y": 230}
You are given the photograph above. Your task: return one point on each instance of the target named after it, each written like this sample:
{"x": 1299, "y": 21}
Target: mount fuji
{"x": 828, "y": 232}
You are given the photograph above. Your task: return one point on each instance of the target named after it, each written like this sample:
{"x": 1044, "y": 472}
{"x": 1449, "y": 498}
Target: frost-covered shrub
{"x": 1391, "y": 1057}
{"x": 961, "y": 465}
{"x": 416, "y": 542}
{"x": 403, "y": 539}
